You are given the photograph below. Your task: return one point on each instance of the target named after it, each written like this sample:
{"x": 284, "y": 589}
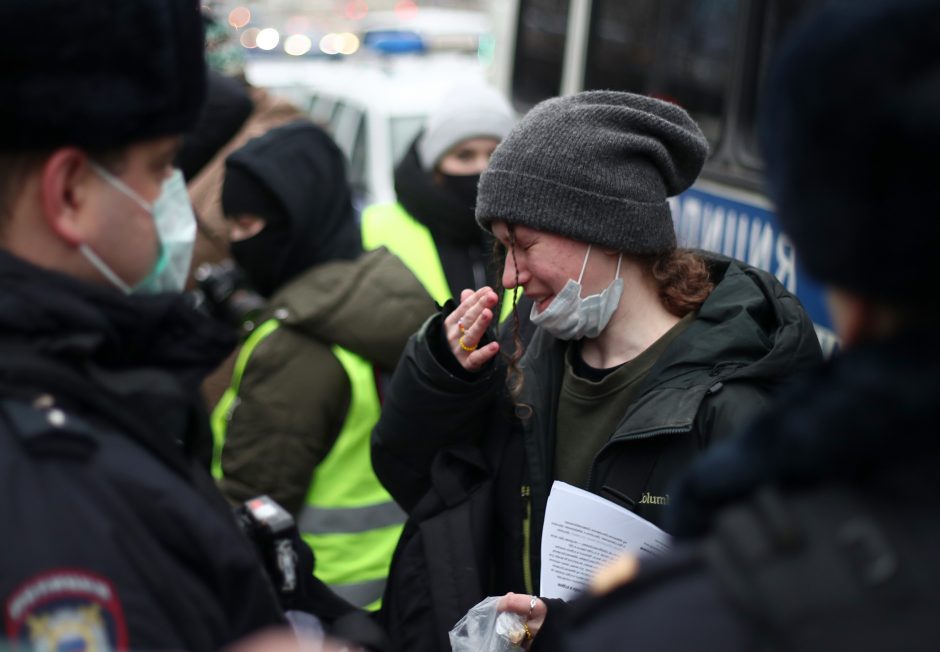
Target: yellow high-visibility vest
{"x": 350, "y": 522}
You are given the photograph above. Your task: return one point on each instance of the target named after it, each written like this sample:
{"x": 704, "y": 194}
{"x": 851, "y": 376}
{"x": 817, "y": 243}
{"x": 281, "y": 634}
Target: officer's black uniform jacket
{"x": 820, "y": 525}
{"x": 111, "y": 532}
{"x": 452, "y": 440}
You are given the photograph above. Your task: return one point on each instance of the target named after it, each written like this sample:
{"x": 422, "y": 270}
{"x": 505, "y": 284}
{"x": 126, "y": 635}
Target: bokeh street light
{"x": 239, "y": 17}
{"x": 268, "y": 38}
{"x": 297, "y": 45}
{"x": 249, "y": 38}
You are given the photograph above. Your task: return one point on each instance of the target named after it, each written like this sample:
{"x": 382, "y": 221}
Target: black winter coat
{"x": 114, "y": 536}
{"x": 820, "y": 525}
{"x": 748, "y": 337}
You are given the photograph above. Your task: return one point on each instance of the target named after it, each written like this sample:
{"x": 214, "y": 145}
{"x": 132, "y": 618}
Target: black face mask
{"x": 462, "y": 187}
{"x": 260, "y": 257}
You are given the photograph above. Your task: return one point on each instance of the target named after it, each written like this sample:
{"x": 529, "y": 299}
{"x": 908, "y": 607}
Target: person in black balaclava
{"x": 281, "y": 179}
{"x": 432, "y": 226}
{"x": 296, "y": 420}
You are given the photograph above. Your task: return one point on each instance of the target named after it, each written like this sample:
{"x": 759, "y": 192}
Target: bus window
{"x": 403, "y": 131}
{"x": 346, "y": 125}
{"x": 358, "y": 179}
{"x": 322, "y": 109}
{"x": 677, "y": 50}
{"x": 774, "y": 19}
{"x": 540, "y": 48}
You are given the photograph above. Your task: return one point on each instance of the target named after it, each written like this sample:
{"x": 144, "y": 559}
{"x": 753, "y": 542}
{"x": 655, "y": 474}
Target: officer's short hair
{"x": 15, "y": 167}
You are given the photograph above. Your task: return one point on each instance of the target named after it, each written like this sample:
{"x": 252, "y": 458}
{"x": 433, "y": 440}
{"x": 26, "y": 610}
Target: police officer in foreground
{"x": 820, "y": 524}
{"x": 113, "y": 537}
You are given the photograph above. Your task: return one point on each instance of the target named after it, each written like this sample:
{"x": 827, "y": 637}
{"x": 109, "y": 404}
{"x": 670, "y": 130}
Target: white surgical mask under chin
{"x": 569, "y": 317}
{"x": 176, "y": 230}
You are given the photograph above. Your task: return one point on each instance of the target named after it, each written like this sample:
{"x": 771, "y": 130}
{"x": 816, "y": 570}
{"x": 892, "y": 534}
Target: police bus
{"x": 710, "y": 57}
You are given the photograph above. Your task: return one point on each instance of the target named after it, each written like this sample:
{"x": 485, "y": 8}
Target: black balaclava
{"x": 440, "y": 208}
{"x": 244, "y": 194}
{"x": 295, "y": 177}
{"x": 463, "y": 187}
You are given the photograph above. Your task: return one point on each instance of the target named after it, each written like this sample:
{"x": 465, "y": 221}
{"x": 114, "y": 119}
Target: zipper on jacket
{"x": 644, "y": 434}
{"x": 527, "y": 538}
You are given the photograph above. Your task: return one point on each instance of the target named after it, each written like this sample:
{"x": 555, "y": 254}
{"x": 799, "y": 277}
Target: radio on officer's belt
{"x": 270, "y": 516}
{"x": 271, "y": 527}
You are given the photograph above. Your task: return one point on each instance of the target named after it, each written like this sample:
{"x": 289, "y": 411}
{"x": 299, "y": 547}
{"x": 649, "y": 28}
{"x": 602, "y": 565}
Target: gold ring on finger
{"x": 466, "y": 348}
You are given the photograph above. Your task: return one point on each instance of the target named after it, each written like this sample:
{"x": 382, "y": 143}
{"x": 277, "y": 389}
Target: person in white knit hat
{"x": 432, "y": 227}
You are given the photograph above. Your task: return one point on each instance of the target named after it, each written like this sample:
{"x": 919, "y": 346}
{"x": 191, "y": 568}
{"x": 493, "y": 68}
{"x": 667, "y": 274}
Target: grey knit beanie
{"x": 595, "y": 167}
{"x": 467, "y": 111}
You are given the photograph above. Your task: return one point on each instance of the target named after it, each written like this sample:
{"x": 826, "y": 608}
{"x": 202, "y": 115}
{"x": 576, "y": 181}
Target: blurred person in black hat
{"x": 114, "y": 536}
{"x": 818, "y": 524}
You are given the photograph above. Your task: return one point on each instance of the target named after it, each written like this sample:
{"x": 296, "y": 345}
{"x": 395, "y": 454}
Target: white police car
{"x": 373, "y": 109}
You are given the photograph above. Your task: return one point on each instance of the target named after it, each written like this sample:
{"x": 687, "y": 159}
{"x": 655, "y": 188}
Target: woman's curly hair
{"x": 683, "y": 279}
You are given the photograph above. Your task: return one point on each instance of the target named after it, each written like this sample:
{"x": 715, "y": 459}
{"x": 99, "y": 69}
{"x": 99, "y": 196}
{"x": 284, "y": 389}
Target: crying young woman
{"x": 644, "y": 353}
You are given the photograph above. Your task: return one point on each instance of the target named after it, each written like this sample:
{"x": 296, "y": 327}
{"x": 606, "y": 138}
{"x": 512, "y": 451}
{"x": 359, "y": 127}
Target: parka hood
{"x": 749, "y": 324}
{"x": 357, "y": 304}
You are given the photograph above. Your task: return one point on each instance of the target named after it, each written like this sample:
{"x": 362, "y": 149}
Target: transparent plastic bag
{"x": 483, "y": 629}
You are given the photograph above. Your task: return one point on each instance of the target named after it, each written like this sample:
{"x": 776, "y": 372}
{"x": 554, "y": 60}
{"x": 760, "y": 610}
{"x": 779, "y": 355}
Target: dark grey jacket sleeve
{"x": 428, "y": 408}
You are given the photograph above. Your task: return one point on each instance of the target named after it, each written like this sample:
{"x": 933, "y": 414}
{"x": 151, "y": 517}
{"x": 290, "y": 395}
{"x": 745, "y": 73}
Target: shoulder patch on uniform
{"x": 66, "y": 609}
{"x": 47, "y": 430}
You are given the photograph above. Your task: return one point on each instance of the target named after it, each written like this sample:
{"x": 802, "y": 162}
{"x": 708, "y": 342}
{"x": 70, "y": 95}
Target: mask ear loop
{"x": 122, "y": 187}
{"x": 584, "y": 264}
{"x": 102, "y": 267}
{"x": 619, "y": 260}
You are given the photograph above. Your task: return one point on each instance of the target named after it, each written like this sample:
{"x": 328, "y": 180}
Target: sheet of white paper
{"x": 581, "y": 532}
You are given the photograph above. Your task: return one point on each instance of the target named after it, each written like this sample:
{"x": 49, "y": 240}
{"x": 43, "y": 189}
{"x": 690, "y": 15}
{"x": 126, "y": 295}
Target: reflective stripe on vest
{"x": 390, "y": 226}
{"x": 222, "y": 413}
{"x": 349, "y": 520}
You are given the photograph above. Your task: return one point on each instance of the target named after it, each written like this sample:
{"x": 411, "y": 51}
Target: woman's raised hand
{"x": 466, "y": 325}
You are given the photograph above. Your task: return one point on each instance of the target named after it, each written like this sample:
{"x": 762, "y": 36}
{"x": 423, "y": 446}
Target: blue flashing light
{"x": 392, "y": 41}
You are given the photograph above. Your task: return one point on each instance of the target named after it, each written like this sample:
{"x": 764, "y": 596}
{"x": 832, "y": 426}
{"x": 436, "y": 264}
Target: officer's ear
{"x": 65, "y": 186}
{"x": 860, "y": 319}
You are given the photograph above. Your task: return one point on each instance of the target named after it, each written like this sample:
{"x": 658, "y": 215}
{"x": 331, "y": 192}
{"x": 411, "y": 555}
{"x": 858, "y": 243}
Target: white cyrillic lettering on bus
{"x": 761, "y": 245}
{"x": 691, "y": 222}
{"x": 786, "y": 263}
{"x": 675, "y": 205}
{"x": 731, "y": 222}
{"x": 713, "y": 223}
{"x": 740, "y": 250}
